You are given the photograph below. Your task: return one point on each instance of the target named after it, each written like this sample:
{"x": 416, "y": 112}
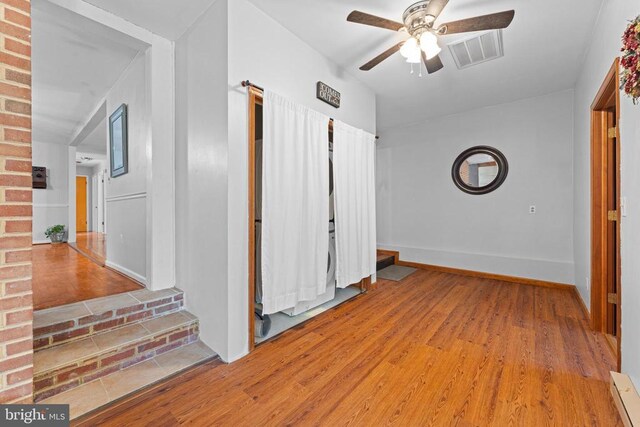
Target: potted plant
{"x": 55, "y": 233}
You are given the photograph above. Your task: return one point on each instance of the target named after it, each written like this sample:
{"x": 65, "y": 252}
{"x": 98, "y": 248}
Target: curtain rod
{"x": 247, "y": 83}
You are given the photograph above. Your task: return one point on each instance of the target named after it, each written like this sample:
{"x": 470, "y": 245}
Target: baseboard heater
{"x": 626, "y": 399}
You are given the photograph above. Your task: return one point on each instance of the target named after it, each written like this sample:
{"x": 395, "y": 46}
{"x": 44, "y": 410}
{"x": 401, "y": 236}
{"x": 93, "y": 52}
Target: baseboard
{"x": 544, "y": 270}
{"x": 626, "y": 399}
{"x": 125, "y": 271}
{"x": 491, "y": 276}
{"x": 583, "y": 307}
{"x": 41, "y": 242}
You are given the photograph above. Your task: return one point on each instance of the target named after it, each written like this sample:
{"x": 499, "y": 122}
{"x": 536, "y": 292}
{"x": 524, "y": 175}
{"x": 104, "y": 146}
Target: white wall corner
{"x": 106, "y": 18}
{"x": 161, "y": 173}
{"x": 72, "y": 195}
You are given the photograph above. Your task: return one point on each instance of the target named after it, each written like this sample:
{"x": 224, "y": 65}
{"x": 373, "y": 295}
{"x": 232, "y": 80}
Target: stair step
{"x": 69, "y": 365}
{"x": 95, "y": 394}
{"x": 59, "y": 325}
{"x": 384, "y": 261}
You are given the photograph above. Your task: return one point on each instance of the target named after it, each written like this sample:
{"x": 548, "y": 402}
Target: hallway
{"x": 63, "y": 276}
{"x": 433, "y": 349}
{"x": 93, "y": 245}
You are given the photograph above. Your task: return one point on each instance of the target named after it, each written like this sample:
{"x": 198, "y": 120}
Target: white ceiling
{"x": 82, "y": 159}
{"x": 96, "y": 141}
{"x": 75, "y": 63}
{"x": 167, "y": 18}
{"x": 544, "y": 49}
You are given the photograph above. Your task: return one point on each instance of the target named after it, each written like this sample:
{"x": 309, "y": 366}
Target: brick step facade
{"x": 60, "y": 325}
{"x": 96, "y": 394}
{"x": 61, "y": 368}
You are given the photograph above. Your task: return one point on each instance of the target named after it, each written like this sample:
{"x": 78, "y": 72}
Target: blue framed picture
{"x": 118, "y": 142}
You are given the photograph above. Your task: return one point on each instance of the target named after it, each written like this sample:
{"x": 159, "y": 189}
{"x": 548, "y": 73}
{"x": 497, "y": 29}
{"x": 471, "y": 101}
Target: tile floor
{"x": 54, "y": 315}
{"x": 65, "y": 354}
{"x": 95, "y": 394}
{"x": 280, "y": 322}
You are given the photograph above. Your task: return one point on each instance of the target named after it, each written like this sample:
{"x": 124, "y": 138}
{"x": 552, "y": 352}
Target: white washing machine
{"x": 330, "y": 294}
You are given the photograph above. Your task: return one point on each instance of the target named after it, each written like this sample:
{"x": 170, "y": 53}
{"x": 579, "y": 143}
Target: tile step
{"x": 100, "y": 392}
{"x": 69, "y": 365}
{"x": 59, "y": 325}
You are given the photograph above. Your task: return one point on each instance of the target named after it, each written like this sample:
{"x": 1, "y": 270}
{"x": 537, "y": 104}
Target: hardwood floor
{"x": 435, "y": 349}
{"x": 63, "y": 276}
{"x": 92, "y": 245}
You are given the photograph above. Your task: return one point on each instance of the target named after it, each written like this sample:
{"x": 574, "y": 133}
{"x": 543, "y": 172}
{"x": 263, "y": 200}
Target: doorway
{"x": 81, "y": 204}
{"x": 605, "y": 212}
{"x": 265, "y": 326}
{"x": 90, "y": 222}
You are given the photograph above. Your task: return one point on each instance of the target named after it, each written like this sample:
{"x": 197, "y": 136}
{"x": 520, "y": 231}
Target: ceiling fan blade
{"x": 435, "y": 7}
{"x": 434, "y": 64}
{"x": 493, "y": 21}
{"x": 384, "y": 55}
{"x": 374, "y": 21}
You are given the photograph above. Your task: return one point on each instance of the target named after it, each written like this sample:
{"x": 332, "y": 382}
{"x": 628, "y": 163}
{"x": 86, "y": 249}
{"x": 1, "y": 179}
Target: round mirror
{"x": 480, "y": 170}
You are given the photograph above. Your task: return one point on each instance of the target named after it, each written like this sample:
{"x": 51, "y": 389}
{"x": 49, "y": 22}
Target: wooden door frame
{"x": 608, "y": 93}
{"x": 255, "y": 99}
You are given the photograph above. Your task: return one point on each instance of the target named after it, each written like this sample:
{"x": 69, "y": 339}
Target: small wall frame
{"x": 118, "y": 142}
{"x": 467, "y": 170}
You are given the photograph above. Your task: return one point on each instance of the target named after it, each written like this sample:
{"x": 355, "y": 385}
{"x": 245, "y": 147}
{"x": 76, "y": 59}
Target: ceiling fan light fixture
{"x": 410, "y": 48}
{"x": 428, "y": 38}
{"x": 419, "y": 21}
{"x": 432, "y": 51}
{"x": 429, "y": 44}
{"x": 415, "y": 57}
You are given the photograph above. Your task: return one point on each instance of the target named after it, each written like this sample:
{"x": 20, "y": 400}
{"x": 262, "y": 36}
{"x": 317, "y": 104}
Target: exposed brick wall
{"x": 55, "y": 334}
{"x": 16, "y": 307}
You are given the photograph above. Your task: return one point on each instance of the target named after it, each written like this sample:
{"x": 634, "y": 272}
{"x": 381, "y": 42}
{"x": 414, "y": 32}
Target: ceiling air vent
{"x": 477, "y": 50}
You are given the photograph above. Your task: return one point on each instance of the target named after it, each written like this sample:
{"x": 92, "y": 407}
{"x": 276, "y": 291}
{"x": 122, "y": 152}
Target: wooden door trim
{"x": 255, "y": 98}
{"x": 607, "y": 95}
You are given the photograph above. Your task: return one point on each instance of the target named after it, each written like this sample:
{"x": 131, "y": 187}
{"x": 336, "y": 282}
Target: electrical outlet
{"x": 532, "y": 209}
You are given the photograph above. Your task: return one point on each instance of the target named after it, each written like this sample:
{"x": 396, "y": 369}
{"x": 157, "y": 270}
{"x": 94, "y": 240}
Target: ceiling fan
{"x": 419, "y": 21}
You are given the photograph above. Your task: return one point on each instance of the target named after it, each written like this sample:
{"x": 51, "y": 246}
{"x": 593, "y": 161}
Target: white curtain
{"x": 355, "y": 203}
{"x": 295, "y": 203}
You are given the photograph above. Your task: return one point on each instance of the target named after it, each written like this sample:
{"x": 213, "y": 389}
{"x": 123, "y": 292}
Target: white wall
{"x": 155, "y": 264}
{"x": 126, "y": 195}
{"x": 211, "y": 155}
{"x": 605, "y": 47}
{"x": 429, "y": 220}
{"x": 201, "y": 174}
{"x": 292, "y": 69}
{"x": 51, "y": 206}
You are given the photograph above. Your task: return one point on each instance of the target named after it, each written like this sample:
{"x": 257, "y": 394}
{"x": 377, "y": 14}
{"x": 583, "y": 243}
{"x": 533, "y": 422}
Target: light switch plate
{"x": 623, "y": 206}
